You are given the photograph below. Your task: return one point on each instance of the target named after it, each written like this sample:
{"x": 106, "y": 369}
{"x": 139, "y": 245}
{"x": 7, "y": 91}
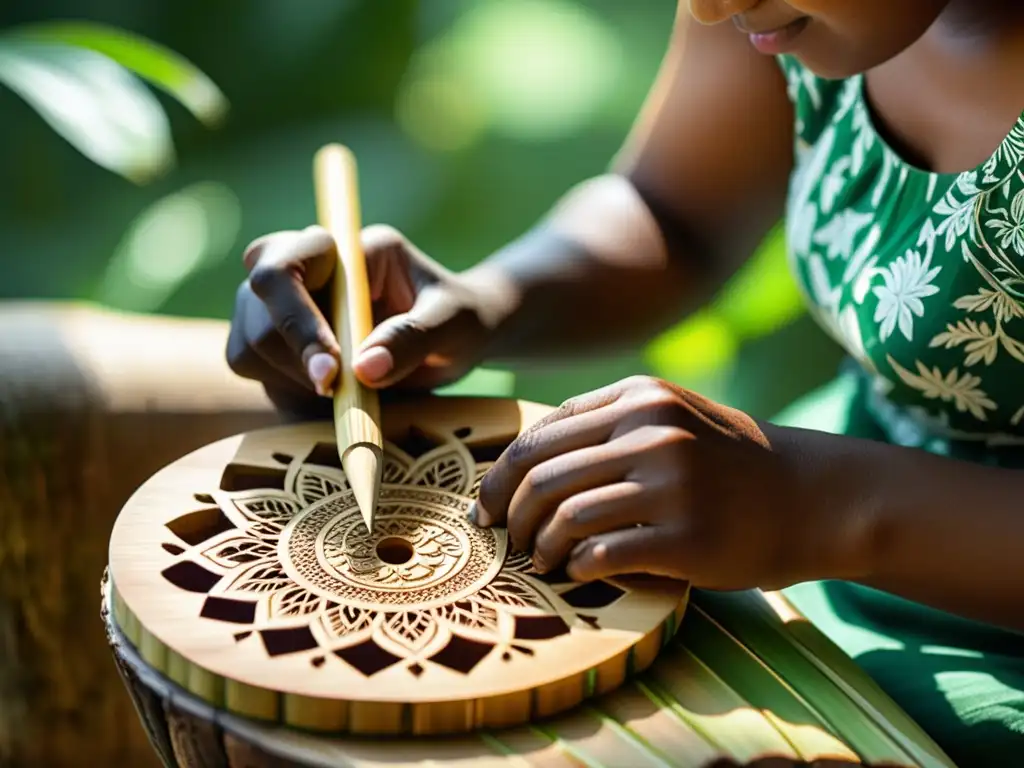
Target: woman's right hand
{"x": 429, "y": 329}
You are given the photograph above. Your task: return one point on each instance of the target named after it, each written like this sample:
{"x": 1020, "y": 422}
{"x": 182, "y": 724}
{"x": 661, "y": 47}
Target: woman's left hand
{"x": 643, "y": 476}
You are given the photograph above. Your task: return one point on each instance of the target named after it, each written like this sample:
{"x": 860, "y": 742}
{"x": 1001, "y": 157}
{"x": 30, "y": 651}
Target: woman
{"x": 890, "y": 135}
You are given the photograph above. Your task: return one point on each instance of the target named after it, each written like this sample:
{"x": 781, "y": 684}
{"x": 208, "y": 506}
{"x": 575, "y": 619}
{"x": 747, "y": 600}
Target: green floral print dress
{"x": 920, "y": 278}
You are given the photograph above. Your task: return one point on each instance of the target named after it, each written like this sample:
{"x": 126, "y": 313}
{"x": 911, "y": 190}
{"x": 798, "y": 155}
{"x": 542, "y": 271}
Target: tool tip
{"x": 362, "y": 470}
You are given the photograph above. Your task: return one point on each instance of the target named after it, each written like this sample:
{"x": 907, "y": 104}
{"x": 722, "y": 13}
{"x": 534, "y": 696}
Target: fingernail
{"x": 480, "y": 516}
{"x": 471, "y": 514}
{"x": 322, "y": 369}
{"x": 374, "y": 364}
{"x": 539, "y": 565}
{"x": 598, "y": 552}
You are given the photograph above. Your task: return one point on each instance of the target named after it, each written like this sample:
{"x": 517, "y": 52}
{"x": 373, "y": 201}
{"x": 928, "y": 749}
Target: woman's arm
{"x": 698, "y": 184}
{"x": 946, "y": 533}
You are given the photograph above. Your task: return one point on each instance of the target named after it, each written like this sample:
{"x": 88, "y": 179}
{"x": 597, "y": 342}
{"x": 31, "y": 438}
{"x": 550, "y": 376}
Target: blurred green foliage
{"x": 469, "y": 118}
{"x": 80, "y": 78}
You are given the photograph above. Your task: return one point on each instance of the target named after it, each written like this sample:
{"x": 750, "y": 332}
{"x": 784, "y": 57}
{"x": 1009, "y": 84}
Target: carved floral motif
{"x": 298, "y": 568}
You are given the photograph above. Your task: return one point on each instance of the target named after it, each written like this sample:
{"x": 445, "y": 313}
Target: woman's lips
{"x": 778, "y": 40}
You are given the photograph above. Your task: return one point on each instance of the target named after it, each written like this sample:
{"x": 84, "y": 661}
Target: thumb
{"x": 404, "y": 342}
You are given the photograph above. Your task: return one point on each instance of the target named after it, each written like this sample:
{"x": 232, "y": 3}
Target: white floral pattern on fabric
{"x": 919, "y": 276}
{"x": 907, "y": 280}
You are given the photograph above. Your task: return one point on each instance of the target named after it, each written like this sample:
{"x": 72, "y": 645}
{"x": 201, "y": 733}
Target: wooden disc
{"x": 244, "y": 573}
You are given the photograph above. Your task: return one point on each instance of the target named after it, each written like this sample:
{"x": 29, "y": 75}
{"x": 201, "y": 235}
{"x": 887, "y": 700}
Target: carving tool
{"x": 356, "y": 407}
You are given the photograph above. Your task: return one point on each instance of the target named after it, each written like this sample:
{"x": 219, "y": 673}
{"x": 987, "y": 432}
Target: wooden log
{"x": 92, "y": 403}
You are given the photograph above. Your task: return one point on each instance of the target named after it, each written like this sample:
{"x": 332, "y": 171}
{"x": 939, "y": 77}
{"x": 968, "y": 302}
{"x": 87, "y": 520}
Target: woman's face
{"x": 834, "y": 38}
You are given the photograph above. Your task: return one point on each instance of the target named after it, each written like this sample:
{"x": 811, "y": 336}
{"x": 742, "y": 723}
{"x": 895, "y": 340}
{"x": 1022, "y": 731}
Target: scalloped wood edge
{"x": 652, "y": 721}
{"x": 393, "y": 718}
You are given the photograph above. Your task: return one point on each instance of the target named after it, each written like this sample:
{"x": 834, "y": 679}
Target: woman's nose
{"x": 715, "y": 11}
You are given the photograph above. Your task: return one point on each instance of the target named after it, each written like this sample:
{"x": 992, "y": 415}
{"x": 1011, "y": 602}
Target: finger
{"x": 387, "y": 266}
{"x": 575, "y": 406}
{"x": 252, "y": 352}
{"x": 245, "y": 361}
{"x": 242, "y": 359}
{"x": 280, "y": 269}
{"x": 404, "y": 342}
{"x": 393, "y": 294}
{"x": 646, "y": 549}
{"x": 547, "y": 485}
{"x": 263, "y": 337}
{"x": 598, "y": 510}
{"x": 538, "y": 444}
{"x": 312, "y": 250}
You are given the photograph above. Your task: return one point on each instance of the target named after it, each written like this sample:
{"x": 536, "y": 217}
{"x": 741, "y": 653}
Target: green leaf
{"x": 95, "y": 104}
{"x": 161, "y": 66}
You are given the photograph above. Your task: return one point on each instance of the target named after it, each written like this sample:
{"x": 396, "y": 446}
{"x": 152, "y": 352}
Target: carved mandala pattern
{"x": 296, "y": 567}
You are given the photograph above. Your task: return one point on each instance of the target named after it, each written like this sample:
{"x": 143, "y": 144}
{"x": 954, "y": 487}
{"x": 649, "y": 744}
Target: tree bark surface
{"x": 92, "y": 403}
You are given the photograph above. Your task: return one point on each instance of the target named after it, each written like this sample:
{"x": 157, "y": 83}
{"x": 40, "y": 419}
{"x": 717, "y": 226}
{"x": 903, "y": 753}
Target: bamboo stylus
{"x": 356, "y": 407}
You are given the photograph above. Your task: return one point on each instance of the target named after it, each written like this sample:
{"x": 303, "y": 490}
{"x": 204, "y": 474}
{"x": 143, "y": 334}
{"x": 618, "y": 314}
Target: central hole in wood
{"x": 394, "y": 550}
